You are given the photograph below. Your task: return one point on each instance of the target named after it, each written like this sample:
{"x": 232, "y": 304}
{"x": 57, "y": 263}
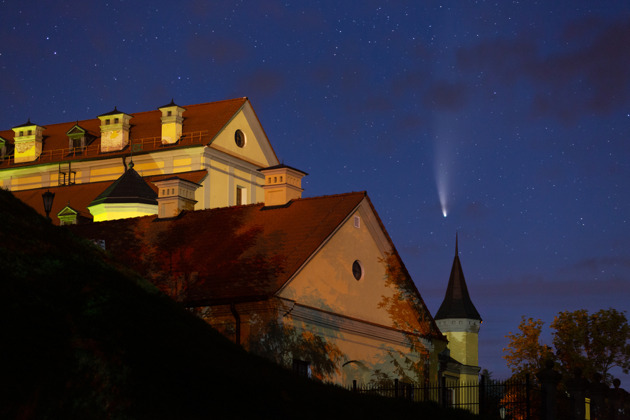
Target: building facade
{"x": 195, "y": 200}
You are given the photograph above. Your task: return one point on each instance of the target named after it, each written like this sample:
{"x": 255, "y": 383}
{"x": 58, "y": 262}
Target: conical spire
{"x": 457, "y": 303}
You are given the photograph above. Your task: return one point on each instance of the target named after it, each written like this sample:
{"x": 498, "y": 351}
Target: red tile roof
{"x": 79, "y": 196}
{"x": 234, "y": 253}
{"x": 202, "y": 122}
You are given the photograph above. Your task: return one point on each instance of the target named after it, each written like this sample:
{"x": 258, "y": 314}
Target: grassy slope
{"x": 84, "y": 339}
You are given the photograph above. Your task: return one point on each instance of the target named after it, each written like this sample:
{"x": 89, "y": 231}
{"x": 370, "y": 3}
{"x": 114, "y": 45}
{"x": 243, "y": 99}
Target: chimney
{"x": 172, "y": 120}
{"x": 114, "y": 130}
{"x": 175, "y": 195}
{"x": 282, "y": 184}
{"x": 28, "y": 142}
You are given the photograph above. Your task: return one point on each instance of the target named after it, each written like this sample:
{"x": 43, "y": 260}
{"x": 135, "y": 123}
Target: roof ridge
{"x": 332, "y": 195}
{"x": 74, "y": 122}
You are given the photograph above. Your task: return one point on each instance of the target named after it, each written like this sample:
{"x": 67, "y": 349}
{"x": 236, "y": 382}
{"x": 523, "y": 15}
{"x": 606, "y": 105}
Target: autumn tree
{"x": 524, "y": 353}
{"x": 409, "y": 315}
{"x": 593, "y": 343}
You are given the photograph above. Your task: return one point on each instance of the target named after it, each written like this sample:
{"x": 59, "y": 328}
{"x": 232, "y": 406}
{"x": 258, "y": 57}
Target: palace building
{"x": 195, "y": 200}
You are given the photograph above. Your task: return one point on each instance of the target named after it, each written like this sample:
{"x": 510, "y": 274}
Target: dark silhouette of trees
{"x": 590, "y": 343}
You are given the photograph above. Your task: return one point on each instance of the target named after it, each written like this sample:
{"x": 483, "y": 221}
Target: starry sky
{"x": 510, "y": 117}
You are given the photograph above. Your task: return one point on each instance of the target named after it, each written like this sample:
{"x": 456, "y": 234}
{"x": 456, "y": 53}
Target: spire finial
{"x": 456, "y": 251}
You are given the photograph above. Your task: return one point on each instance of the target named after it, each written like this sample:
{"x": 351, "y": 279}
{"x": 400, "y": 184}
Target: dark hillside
{"x": 85, "y": 339}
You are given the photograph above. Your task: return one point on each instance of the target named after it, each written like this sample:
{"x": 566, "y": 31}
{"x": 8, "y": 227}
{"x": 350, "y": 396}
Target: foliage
{"x": 281, "y": 343}
{"x": 408, "y": 314}
{"x": 591, "y": 343}
{"x": 525, "y": 354}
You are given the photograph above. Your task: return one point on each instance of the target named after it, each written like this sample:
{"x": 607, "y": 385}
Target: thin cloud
{"x": 567, "y": 83}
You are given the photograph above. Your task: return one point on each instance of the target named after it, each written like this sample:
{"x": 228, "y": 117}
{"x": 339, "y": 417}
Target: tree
{"x": 593, "y": 343}
{"x": 525, "y": 354}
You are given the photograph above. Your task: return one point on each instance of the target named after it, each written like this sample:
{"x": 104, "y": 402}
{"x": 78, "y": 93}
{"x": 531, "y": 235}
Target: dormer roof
{"x": 457, "y": 302}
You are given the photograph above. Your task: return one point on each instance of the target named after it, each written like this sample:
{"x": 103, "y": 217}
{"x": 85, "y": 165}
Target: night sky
{"x": 511, "y": 117}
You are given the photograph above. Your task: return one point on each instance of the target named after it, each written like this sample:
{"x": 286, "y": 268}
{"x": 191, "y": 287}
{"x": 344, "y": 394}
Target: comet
{"x": 442, "y": 187}
{"x": 442, "y": 176}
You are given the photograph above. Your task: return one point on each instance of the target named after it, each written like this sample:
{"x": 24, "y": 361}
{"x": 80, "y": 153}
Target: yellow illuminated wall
{"x": 113, "y": 211}
{"x": 327, "y": 285}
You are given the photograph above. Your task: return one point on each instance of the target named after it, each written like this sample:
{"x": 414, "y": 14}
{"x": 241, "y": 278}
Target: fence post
{"x": 576, "y": 389}
{"x": 354, "y": 385}
{"x": 443, "y": 398}
{"x": 482, "y": 395}
{"x": 549, "y": 379}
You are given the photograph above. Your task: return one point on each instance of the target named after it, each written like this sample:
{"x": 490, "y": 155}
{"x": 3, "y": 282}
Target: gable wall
{"x": 327, "y": 282}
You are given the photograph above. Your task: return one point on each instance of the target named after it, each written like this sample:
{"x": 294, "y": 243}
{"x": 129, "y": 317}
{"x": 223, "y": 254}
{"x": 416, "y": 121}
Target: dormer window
{"x": 78, "y": 138}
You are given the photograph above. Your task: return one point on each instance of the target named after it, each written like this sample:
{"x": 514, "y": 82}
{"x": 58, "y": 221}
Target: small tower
{"x": 174, "y": 196}
{"x": 282, "y": 184}
{"x": 114, "y": 130}
{"x": 459, "y": 320}
{"x": 172, "y": 120}
{"x": 28, "y": 142}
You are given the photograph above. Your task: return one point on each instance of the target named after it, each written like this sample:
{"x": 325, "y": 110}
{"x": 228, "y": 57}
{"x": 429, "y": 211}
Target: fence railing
{"x": 137, "y": 145}
{"x": 513, "y": 399}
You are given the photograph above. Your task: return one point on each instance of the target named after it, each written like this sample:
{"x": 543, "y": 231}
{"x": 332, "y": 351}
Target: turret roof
{"x": 129, "y": 188}
{"x": 457, "y": 302}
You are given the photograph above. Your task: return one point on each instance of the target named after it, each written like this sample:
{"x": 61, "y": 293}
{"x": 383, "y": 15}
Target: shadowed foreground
{"x": 86, "y": 339}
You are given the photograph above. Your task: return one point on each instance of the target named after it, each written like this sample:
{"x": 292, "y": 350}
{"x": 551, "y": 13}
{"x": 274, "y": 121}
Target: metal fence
{"x": 513, "y": 399}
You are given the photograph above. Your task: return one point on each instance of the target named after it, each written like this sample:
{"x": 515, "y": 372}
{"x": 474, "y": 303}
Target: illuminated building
{"x": 195, "y": 199}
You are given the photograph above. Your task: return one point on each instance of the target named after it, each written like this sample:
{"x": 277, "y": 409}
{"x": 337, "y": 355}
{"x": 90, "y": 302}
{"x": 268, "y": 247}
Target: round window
{"x": 239, "y": 138}
{"x": 357, "y": 270}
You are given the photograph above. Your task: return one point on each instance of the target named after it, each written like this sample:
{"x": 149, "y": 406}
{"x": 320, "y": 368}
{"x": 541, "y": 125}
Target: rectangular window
{"x": 107, "y": 122}
{"x": 357, "y": 222}
{"x": 302, "y": 368}
{"x": 115, "y": 120}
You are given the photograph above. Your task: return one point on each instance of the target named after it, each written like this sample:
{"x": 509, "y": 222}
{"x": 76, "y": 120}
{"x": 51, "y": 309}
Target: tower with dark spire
{"x": 459, "y": 320}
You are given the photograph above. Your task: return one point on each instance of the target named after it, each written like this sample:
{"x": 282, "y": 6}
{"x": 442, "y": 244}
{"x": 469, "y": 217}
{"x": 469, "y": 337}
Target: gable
{"x": 251, "y": 144}
{"x": 327, "y": 281}
{"x": 67, "y": 212}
